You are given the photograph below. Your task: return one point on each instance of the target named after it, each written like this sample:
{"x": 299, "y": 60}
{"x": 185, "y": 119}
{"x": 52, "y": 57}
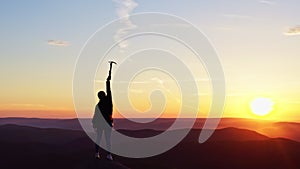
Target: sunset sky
{"x": 257, "y": 42}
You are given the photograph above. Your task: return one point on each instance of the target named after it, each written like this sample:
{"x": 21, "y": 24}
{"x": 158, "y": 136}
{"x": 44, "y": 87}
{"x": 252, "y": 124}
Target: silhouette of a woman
{"x": 103, "y": 116}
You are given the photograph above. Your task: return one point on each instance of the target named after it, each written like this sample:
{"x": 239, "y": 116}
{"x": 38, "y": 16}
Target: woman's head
{"x": 101, "y": 95}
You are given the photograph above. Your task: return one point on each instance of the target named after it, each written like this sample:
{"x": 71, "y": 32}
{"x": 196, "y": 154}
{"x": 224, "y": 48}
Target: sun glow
{"x": 262, "y": 106}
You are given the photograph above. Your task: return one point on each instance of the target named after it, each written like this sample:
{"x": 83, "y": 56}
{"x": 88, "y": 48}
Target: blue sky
{"x": 249, "y": 36}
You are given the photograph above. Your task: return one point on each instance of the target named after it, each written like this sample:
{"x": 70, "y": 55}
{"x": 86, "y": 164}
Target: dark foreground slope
{"x": 28, "y": 147}
{"x": 35, "y": 148}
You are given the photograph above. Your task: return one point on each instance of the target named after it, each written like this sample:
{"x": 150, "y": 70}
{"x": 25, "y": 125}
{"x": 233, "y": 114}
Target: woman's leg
{"x": 107, "y": 133}
{"x": 98, "y": 139}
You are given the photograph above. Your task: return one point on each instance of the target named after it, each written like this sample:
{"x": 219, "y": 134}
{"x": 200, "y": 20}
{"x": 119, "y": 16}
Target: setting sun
{"x": 262, "y": 106}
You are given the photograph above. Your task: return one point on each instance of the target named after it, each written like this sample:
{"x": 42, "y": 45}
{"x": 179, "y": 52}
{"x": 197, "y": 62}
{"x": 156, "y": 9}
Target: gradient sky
{"x": 257, "y": 42}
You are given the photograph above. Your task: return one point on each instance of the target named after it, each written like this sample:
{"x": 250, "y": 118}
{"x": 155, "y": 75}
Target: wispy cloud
{"x": 22, "y": 106}
{"x": 172, "y": 25}
{"x": 58, "y": 43}
{"x": 30, "y": 107}
{"x": 124, "y": 8}
{"x": 293, "y": 31}
{"x": 267, "y": 2}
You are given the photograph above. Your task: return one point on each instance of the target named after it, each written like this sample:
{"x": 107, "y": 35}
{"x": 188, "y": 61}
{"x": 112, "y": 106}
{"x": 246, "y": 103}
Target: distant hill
{"x": 71, "y": 124}
{"x": 226, "y": 134}
{"x": 228, "y": 148}
{"x": 230, "y": 134}
{"x": 288, "y": 130}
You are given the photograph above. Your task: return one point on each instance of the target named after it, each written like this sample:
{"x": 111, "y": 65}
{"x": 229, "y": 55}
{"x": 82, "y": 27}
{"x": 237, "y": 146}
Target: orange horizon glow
{"x": 235, "y": 107}
{"x": 71, "y": 114}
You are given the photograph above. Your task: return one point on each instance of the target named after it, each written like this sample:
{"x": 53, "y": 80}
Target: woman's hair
{"x": 101, "y": 95}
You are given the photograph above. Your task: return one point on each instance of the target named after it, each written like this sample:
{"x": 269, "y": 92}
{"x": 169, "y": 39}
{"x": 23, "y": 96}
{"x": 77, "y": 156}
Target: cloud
{"x": 267, "y": 2}
{"x": 22, "y": 106}
{"x": 124, "y": 8}
{"x": 58, "y": 43}
{"x": 172, "y": 25}
{"x": 293, "y": 31}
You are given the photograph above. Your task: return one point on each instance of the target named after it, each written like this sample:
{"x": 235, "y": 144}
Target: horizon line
{"x": 75, "y": 118}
